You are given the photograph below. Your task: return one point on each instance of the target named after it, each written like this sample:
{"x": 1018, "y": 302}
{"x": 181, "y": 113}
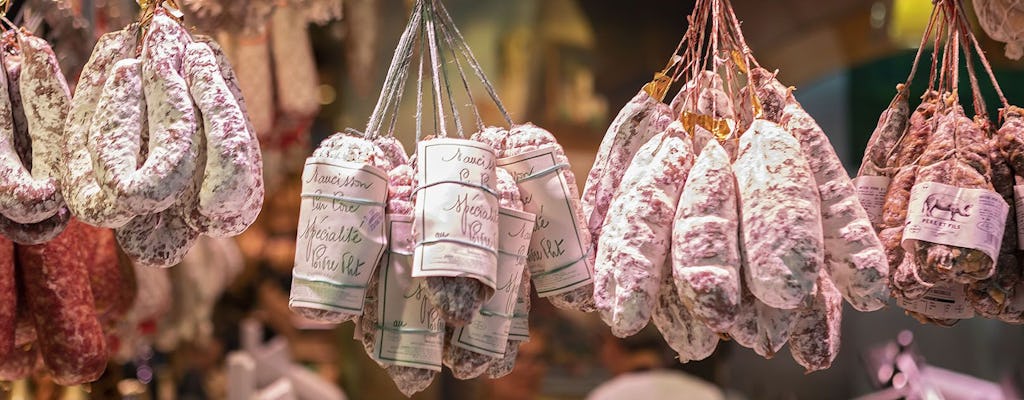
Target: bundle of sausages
{"x": 947, "y": 218}
{"x": 438, "y": 252}
{"x": 736, "y": 219}
{"x": 158, "y": 145}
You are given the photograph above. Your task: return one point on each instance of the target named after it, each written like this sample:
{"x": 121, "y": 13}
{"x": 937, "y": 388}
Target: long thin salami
{"x": 638, "y": 121}
{"x": 58, "y": 295}
{"x": 635, "y": 241}
{"x": 814, "y": 340}
{"x": 705, "y": 240}
{"x": 526, "y": 138}
{"x": 854, "y": 257}
{"x": 780, "y": 216}
{"x": 684, "y": 332}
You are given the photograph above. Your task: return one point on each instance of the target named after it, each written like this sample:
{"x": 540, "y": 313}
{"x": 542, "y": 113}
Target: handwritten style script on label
{"x": 412, "y": 331}
{"x": 556, "y": 257}
{"x": 340, "y": 235}
{"x": 456, "y": 211}
{"x": 944, "y": 214}
{"x": 488, "y": 333}
{"x": 871, "y": 193}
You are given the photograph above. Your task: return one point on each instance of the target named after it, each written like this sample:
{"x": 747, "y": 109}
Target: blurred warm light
{"x": 908, "y": 21}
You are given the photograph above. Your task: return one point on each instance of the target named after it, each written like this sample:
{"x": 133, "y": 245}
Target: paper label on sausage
{"x": 411, "y": 331}
{"x": 340, "y": 234}
{"x": 1018, "y": 205}
{"x": 944, "y": 214}
{"x": 456, "y": 211}
{"x": 520, "y": 329}
{"x": 943, "y": 301}
{"x": 556, "y": 259}
{"x": 488, "y": 333}
{"x": 871, "y": 193}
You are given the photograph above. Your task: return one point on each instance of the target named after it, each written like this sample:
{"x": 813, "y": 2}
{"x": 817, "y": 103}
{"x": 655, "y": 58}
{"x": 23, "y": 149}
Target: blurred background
{"x": 569, "y": 66}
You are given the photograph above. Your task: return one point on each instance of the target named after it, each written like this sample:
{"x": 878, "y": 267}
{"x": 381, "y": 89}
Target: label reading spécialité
{"x": 340, "y": 235}
{"x": 456, "y": 211}
{"x": 1018, "y": 204}
{"x": 871, "y": 193}
{"x": 943, "y": 301}
{"x": 411, "y": 331}
{"x": 488, "y": 332}
{"x": 556, "y": 258}
{"x": 944, "y": 214}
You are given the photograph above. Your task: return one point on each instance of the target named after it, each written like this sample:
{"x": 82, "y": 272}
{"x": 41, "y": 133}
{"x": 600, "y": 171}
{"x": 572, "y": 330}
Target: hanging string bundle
{"x": 439, "y": 250}
{"x": 739, "y": 182}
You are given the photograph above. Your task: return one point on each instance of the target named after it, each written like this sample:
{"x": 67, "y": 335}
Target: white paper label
{"x": 488, "y": 333}
{"x": 943, "y": 214}
{"x": 456, "y": 211}
{"x": 871, "y": 193}
{"x": 1018, "y": 204}
{"x": 520, "y": 329}
{"x": 556, "y": 259}
{"x": 340, "y": 234}
{"x": 411, "y": 333}
{"x": 943, "y": 301}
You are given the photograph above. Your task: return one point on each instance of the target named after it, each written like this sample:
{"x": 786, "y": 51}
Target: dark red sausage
{"x": 59, "y": 298}
{"x": 8, "y": 298}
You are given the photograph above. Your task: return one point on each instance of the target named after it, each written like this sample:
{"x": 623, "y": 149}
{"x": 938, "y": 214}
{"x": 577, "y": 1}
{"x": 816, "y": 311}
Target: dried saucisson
{"x": 409, "y": 380}
{"x": 60, "y": 300}
{"x": 684, "y": 332}
{"x": 991, "y": 297}
{"x": 174, "y": 133}
{"x": 891, "y": 126}
{"x": 45, "y": 101}
{"x": 970, "y": 169}
{"x": 641, "y": 118}
{"x": 780, "y": 214}
{"x": 466, "y": 364}
{"x": 106, "y": 280}
{"x": 814, "y": 340}
{"x": 23, "y": 198}
{"x": 86, "y": 199}
{"x": 347, "y": 148}
{"x": 232, "y": 185}
{"x": 854, "y": 257}
{"x": 526, "y": 138}
{"x": 8, "y": 299}
{"x": 635, "y": 241}
{"x": 504, "y": 365}
{"x": 705, "y": 235}
{"x": 12, "y": 60}
{"x": 760, "y": 327}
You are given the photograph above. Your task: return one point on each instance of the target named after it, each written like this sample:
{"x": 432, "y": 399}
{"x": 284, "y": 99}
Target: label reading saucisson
{"x": 412, "y": 331}
{"x": 943, "y": 301}
{"x": 488, "y": 332}
{"x": 556, "y": 256}
{"x": 944, "y": 214}
{"x": 871, "y": 193}
{"x": 340, "y": 235}
{"x": 456, "y": 211}
{"x": 1018, "y": 204}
